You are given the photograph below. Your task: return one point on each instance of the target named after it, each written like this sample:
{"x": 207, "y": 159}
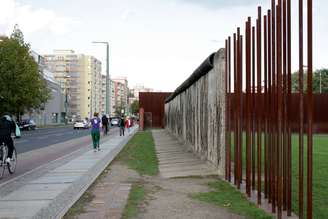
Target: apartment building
{"x": 80, "y": 78}
{"x": 120, "y": 87}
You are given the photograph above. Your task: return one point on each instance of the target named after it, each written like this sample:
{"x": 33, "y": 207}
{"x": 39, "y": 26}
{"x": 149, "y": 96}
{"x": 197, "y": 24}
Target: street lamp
{"x": 108, "y": 93}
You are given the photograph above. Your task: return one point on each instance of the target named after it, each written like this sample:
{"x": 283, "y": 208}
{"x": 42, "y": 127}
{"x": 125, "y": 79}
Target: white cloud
{"x": 31, "y": 20}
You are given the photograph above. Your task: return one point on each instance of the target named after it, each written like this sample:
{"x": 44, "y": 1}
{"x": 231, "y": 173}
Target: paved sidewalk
{"x": 52, "y": 193}
{"x": 175, "y": 160}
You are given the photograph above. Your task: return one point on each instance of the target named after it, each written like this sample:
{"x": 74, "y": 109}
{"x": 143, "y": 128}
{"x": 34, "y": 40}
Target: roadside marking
{"x": 20, "y": 141}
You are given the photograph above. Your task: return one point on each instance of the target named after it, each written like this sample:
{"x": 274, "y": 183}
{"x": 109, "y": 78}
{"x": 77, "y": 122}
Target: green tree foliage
{"x": 315, "y": 83}
{"x": 134, "y": 107}
{"x": 22, "y": 87}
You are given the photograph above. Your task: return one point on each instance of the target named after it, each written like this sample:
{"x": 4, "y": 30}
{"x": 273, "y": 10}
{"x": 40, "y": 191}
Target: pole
{"x": 108, "y": 93}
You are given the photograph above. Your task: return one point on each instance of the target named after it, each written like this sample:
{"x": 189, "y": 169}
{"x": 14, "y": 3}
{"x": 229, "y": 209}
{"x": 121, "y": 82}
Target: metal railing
{"x": 267, "y": 104}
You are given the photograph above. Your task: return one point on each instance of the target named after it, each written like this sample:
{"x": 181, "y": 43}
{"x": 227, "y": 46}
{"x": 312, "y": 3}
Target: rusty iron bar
{"x": 248, "y": 106}
{"x": 310, "y": 107}
{"x": 301, "y": 118}
{"x": 253, "y": 109}
{"x": 273, "y": 106}
{"x": 259, "y": 107}
{"x": 279, "y": 104}
{"x": 269, "y": 109}
{"x": 267, "y": 113}
{"x": 235, "y": 106}
{"x": 229, "y": 108}
{"x": 238, "y": 110}
{"x": 265, "y": 107}
{"x": 289, "y": 98}
{"x": 241, "y": 107}
{"x": 284, "y": 96}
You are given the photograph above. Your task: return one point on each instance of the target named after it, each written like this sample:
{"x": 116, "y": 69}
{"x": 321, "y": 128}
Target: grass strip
{"x": 139, "y": 154}
{"x": 136, "y": 196}
{"x": 224, "y": 195}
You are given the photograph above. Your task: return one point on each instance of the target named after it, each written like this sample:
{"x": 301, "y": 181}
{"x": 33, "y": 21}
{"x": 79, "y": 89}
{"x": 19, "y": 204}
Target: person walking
{"x": 122, "y": 126}
{"x": 95, "y": 131}
{"x": 128, "y": 124}
{"x": 104, "y": 121}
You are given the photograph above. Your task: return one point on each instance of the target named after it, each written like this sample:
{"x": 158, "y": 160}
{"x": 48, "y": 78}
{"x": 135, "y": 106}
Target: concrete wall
{"x": 196, "y": 116}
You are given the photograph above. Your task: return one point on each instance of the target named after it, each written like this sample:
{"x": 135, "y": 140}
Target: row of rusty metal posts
{"x": 265, "y": 100}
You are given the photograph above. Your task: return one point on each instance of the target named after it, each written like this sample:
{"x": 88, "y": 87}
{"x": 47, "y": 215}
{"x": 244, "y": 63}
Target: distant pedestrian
{"x": 95, "y": 131}
{"x": 122, "y": 126}
{"x": 128, "y": 124}
{"x": 104, "y": 121}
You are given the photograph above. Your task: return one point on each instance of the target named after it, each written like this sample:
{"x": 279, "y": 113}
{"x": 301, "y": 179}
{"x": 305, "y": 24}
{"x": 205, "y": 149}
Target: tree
{"x": 22, "y": 87}
{"x": 118, "y": 110}
{"x": 319, "y": 75}
{"x": 134, "y": 107}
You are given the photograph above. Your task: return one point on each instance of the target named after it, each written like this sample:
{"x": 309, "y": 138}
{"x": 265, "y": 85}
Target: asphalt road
{"x": 41, "y": 138}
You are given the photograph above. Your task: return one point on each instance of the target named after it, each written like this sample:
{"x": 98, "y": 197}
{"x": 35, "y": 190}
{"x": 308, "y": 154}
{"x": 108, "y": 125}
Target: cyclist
{"x": 7, "y": 126}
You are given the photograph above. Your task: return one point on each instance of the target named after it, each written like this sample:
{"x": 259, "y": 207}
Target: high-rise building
{"x": 120, "y": 87}
{"x": 102, "y": 110}
{"x": 80, "y": 78}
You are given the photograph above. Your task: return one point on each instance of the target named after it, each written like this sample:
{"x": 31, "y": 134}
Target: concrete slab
{"x": 21, "y": 209}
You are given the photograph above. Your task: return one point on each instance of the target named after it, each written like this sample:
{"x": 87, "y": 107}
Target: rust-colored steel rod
{"x": 289, "y": 98}
{"x": 284, "y": 91}
{"x": 235, "y": 106}
{"x": 265, "y": 107}
{"x": 259, "y": 108}
{"x": 269, "y": 109}
{"x": 229, "y": 108}
{"x": 238, "y": 109}
{"x": 241, "y": 111}
{"x": 253, "y": 109}
{"x": 274, "y": 96}
{"x": 248, "y": 107}
{"x": 301, "y": 111}
{"x": 310, "y": 108}
{"x": 279, "y": 104}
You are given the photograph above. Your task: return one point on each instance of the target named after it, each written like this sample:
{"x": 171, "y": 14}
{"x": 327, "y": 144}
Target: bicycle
{"x": 3, "y": 163}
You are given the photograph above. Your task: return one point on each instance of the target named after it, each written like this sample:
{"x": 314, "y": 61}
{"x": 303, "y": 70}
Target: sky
{"x": 157, "y": 43}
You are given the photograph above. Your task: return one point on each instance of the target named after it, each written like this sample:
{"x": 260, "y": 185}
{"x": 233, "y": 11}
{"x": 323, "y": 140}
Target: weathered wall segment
{"x": 194, "y": 112}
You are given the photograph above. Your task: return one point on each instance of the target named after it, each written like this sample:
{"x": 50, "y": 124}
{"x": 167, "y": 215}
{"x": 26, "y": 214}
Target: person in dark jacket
{"x": 7, "y": 126}
{"x": 104, "y": 121}
{"x": 122, "y": 126}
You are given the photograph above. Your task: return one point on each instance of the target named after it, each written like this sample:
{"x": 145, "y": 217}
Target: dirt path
{"x": 170, "y": 198}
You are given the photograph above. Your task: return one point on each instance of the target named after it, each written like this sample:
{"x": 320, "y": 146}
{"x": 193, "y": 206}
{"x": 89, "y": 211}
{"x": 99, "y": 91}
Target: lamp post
{"x": 108, "y": 93}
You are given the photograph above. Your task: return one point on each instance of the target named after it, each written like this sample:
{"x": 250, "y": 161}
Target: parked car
{"x": 81, "y": 124}
{"x": 27, "y": 124}
{"x": 114, "y": 121}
